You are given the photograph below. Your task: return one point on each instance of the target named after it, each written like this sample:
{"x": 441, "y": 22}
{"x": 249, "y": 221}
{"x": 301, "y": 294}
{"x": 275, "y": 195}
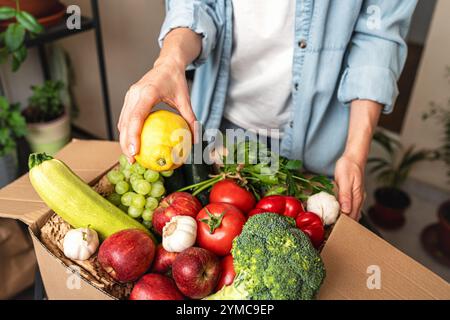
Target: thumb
{"x": 345, "y": 195}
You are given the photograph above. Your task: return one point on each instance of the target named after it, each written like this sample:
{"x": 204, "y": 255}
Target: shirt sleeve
{"x": 197, "y": 15}
{"x": 377, "y": 52}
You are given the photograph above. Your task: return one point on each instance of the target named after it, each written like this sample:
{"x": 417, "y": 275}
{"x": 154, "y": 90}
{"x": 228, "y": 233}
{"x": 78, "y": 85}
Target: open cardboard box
{"x": 359, "y": 264}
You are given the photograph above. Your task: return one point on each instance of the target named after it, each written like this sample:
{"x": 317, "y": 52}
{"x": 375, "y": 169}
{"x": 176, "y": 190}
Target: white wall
{"x": 430, "y": 86}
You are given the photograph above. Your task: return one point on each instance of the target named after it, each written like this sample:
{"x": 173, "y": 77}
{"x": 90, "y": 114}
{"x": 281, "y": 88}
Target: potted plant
{"x": 12, "y": 126}
{"x": 47, "y": 119}
{"x": 12, "y": 39}
{"x": 442, "y": 115}
{"x": 391, "y": 172}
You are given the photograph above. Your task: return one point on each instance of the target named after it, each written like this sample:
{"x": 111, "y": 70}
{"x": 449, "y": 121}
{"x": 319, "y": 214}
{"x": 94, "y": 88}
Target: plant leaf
{"x": 29, "y": 22}
{"x": 294, "y": 165}
{"x": 7, "y": 13}
{"x": 14, "y": 36}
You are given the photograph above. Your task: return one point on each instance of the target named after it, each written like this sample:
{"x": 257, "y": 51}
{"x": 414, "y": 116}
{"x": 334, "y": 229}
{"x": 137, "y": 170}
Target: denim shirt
{"x": 344, "y": 50}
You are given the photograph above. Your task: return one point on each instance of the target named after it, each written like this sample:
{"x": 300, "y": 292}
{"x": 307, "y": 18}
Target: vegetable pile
{"x": 273, "y": 260}
{"x": 256, "y": 234}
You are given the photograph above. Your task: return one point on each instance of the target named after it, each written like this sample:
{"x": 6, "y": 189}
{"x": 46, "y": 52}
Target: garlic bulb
{"x": 179, "y": 233}
{"x": 80, "y": 244}
{"x": 325, "y": 206}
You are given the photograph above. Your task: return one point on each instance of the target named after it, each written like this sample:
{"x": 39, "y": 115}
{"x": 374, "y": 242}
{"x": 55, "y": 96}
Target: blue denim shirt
{"x": 344, "y": 50}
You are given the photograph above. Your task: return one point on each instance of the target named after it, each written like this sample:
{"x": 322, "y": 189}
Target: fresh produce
{"x": 166, "y": 141}
{"x": 175, "y": 204}
{"x": 163, "y": 260}
{"x": 154, "y": 286}
{"x": 75, "y": 201}
{"x": 264, "y": 173}
{"x": 284, "y": 205}
{"x": 227, "y": 191}
{"x": 228, "y": 274}
{"x": 273, "y": 259}
{"x": 80, "y": 244}
{"x": 179, "y": 233}
{"x": 218, "y": 225}
{"x": 325, "y": 206}
{"x": 196, "y": 272}
{"x": 137, "y": 190}
{"x": 312, "y": 225}
{"x": 127, "y": 255}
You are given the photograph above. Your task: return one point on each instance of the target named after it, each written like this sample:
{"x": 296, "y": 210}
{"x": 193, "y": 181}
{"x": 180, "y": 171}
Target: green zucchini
{"x": 74, "y": 200}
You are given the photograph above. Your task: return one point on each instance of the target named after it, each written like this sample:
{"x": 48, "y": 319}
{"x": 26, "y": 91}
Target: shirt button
{"x": 296, "y": 86}
{"x": 302, "y": 44}
{"x": 291, "y": 124}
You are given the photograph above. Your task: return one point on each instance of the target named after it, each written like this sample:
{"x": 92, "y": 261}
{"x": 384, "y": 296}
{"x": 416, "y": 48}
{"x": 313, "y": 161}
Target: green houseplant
{"x": 47, "y": 119}
{"x": 391, "y": 172}
{"x": 12, "y": 40}
{"x": 12, "y": 126}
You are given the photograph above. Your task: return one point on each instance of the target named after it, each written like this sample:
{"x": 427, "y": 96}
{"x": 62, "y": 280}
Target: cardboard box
{"x": 359, "y": 264}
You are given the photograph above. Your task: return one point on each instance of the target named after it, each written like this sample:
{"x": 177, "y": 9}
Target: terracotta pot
{"x": 389, "y": 209}
{"x": 444, "y": 227}
{"x": 49, "y": 137}
{"x": 38, "y": 8}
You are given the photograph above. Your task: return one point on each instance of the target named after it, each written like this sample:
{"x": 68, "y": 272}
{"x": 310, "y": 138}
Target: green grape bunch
{"x": 137, "y": 191}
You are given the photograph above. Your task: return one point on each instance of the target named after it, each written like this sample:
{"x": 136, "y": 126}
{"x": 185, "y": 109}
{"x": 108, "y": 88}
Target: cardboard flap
{"x": 360, "y": 265}
{"x": 87, "y": 158}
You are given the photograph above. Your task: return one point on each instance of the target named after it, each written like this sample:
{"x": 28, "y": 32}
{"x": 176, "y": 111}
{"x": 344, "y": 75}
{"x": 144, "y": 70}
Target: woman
{"x": 319, "y": 71}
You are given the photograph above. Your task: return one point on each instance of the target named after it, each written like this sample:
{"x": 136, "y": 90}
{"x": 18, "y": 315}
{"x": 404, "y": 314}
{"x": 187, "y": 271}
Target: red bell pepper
{"x": 312, "y": 225}
{"x": 284, "y": 205}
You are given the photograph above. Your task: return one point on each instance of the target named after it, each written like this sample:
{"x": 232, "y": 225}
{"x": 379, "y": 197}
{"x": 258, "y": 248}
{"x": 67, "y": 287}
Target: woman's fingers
{"x": 147, "y": 97}
{"x": 345, "y": 195}
{"x": 357, "y": 198}
{"x": 185, "y": 109}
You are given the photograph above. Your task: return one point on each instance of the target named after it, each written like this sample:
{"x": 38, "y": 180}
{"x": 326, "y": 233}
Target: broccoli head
{"x": 273, "y": 260}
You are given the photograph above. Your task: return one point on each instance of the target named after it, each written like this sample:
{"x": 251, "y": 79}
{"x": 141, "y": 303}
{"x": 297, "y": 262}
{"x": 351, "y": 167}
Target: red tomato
{"x": 227, "y": 191}
{"x": 217, "y": 225}
{"x": 256, "y": 211}
{"x": 228, "y": 273}
{"x": 312, "y": 225}
{"x": 284, "y": 205}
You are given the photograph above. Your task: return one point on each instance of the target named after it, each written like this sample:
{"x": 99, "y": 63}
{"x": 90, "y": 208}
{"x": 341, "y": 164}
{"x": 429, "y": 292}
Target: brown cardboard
{"x": 349, "y": 251}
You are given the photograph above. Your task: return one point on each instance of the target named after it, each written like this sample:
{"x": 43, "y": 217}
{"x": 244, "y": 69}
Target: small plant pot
{"x": 37, "y": 8}
{"x": 8, "y": 169}
{"x": 444, "y": 227}
{"x": 389, "y": 209}
{"x": 49, "y": 137}
{"x": 47, "y": 12}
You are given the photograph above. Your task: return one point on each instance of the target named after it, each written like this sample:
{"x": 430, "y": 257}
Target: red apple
{"x": 163, "y": 260}
{"x": 127, "y": 254}
{"x": 154, "y": 286}
{"x": 228, "y": 273}
{"x": 175, "y": 204}
{"x": 196, "y": 271}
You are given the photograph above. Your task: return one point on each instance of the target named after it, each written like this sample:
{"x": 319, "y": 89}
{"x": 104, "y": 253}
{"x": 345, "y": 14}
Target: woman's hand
{"x": 166, "y": 82}
{"x": 349, "y": 177}
{"x": 349, "y": 171}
